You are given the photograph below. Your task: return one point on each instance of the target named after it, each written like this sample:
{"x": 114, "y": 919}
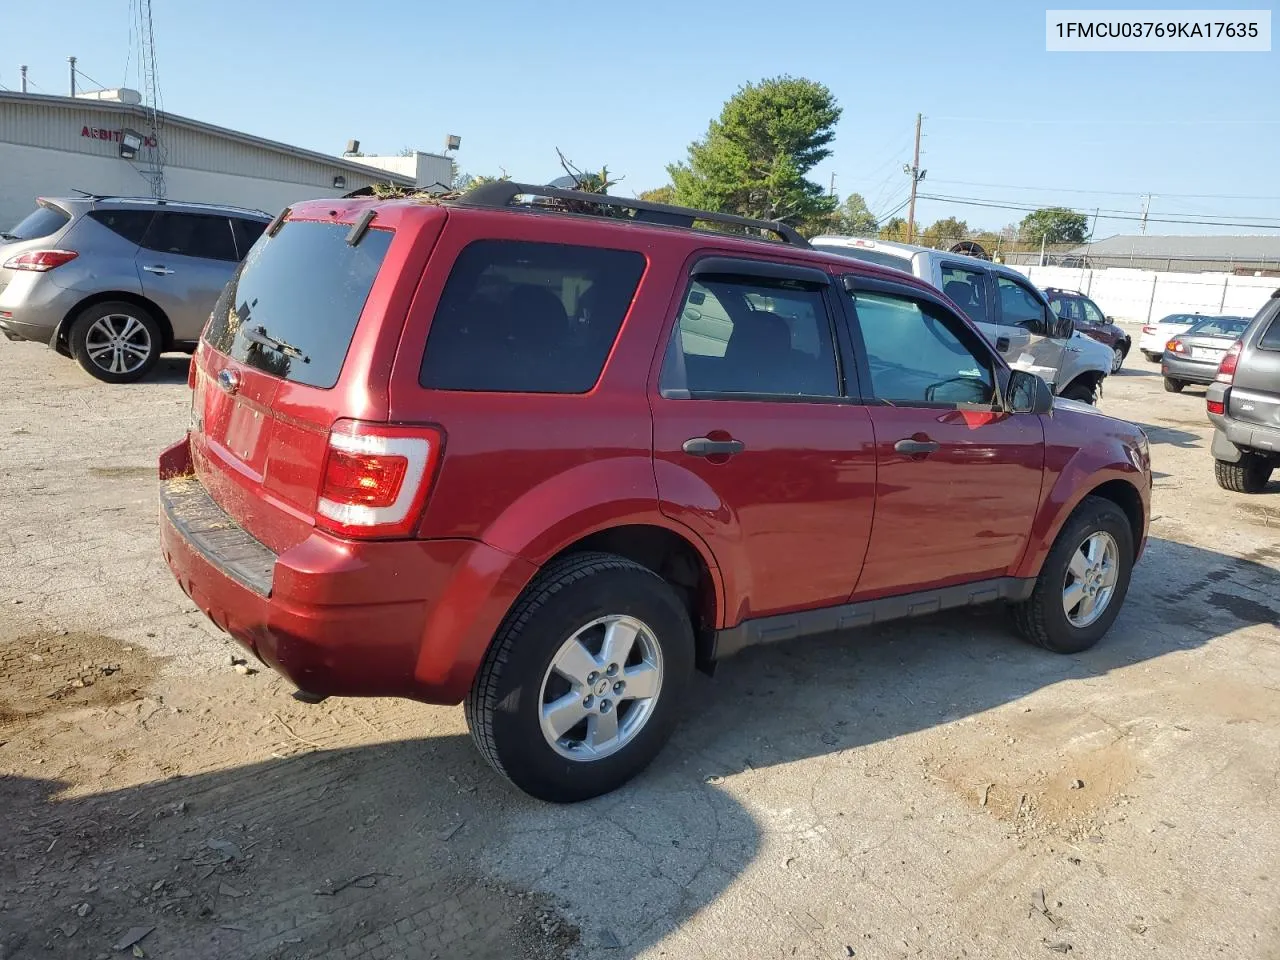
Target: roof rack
{"x": 501, "y": 193}
{"x": 84, "y": 195}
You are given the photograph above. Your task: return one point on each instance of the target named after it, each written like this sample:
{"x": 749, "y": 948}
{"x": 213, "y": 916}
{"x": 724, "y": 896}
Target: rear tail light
{"x": 376, "y": 478}
{"x": 1227, "y": 368}
{"x": 1216, "y": 406}
{"x": 1175, "y": 346}
{"x": 1150, "y": 329}
{"x": 40, "y": 261}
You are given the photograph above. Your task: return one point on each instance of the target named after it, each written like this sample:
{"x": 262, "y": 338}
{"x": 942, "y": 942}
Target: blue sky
{"x": 631, "y": 86}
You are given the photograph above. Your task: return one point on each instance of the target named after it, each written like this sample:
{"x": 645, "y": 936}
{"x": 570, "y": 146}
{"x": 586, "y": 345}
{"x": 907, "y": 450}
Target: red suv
{"x": 548, "y": 456}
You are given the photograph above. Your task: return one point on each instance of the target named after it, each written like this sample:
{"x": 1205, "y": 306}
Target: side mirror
{"x": 1028, "y": 393}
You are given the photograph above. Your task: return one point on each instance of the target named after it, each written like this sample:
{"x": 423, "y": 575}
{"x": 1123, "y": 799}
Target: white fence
{"x": 1145, "y": 295}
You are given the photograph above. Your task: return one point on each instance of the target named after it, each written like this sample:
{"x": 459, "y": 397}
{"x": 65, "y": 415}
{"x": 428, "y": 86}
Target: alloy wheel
{"x": 1091, "y": 579}
{"x": 118, "y": 343}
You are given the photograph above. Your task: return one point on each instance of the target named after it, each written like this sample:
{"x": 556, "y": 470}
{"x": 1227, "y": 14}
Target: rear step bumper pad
{"x": 215, "y": 536}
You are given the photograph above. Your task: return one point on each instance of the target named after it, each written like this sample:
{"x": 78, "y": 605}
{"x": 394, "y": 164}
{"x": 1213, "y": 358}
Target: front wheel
{"x": 1117, "y": 358}
{"x": 1173, "y": 386}
{"x": 117, "y": 342}
{"x": 1083, "y": 581}
{"x": 584, "y": 681}
{"x": 1082, "y": 389}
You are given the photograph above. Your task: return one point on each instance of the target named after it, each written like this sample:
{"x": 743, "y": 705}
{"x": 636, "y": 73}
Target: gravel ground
{"x": 932, "y": 789}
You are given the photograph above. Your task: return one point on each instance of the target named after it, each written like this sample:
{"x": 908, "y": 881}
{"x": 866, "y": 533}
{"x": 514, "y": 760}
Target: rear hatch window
{"x": 44, "y": 221}
{"x": 292, "y": 307}
{"x": 878, "y": 257}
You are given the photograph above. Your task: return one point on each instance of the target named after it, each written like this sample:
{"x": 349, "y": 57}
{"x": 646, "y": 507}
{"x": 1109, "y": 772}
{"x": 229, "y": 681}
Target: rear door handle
{"x": 916, "y": 448}
{"x": 158, "y": 269}
{"x": 706, "y": 447}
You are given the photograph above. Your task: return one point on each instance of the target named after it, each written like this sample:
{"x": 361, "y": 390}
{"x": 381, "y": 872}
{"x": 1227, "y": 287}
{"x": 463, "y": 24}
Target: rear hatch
{"x": 38, "y": 230}
{"x": 1255, "y": 391}
{"x": 1208, "y": 350}
{"x": 300, "y": 338}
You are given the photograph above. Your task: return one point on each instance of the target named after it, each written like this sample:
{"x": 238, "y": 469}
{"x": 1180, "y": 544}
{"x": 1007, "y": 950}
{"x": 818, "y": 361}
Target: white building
{"x": 432, "y": 172}
{"x": 101, "y": 143}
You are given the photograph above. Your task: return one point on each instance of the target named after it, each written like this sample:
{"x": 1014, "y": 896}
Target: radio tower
{"x": 153, "y": 172}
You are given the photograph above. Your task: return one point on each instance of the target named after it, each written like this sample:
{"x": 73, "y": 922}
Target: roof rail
{"x": 500, "y": 193}
{"x": 177, "y": 203}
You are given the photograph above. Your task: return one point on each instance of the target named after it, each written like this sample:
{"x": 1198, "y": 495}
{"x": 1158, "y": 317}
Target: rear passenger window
{"x": 192, "y": 235}
{"x": 743, "y": 337}
{"x": 521, "y": 317}
{"x": 968, "y": 290}
{"x": 129, "y": 224}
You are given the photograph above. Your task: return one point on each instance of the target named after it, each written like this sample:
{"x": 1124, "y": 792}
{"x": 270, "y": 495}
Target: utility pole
{"x": 72, "y": 61}
{"x": 916, "y": 176}
{"x": 833, "y": 183}
{"x": 23, "y": 70}
{"x": 1146, "y": 205}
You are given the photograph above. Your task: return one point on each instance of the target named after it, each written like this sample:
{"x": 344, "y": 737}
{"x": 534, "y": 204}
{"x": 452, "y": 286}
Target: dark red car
{"x": 1090, "y": 321}
{"x": 547, "y": 459}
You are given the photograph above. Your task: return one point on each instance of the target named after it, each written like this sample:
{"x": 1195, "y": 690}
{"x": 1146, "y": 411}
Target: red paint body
{"x": 818, "y": 510}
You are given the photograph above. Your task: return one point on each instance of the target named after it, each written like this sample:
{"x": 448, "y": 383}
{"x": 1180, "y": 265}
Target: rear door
{"x": 957, "y": 480}
{"x": 1019, "y": 305}
{"x": 184, "y": 262}
{"x": 760, "y": 444}
{"x": 1255, "y": 392}
{"x": 968, "y": 288}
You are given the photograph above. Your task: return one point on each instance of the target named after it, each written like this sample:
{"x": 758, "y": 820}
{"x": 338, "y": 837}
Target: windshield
{"x": 1231, "y": 327}
{"x": 291, "y": 308}
{"x": 44, "y": 221}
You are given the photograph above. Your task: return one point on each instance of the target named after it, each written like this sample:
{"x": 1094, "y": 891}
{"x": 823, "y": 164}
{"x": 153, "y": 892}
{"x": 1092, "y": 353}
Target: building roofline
{"x": 140, "y": 112}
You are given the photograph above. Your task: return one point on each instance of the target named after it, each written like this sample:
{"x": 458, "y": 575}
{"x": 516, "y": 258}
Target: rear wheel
{"x": 585, "y": 679}
{"x": 117, "y": 342}
{"x": 1082, "y": 389}
{"x": 1248, "y": 475}
{"x": 1083, "y": 581}
{"x": 1173, "y": 386}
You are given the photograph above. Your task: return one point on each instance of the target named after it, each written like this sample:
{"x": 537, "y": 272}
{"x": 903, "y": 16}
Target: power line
{"x": 1107, "y": 193}
{"x": 1206, "y": 218}
{"x": 1060, "y": 121}
{"x": 90, "y": 79}
{"x": 1129, "y": 215}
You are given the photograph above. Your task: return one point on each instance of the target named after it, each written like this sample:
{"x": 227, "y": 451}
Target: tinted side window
{"x": 44, "y": 221}
{"x": 968, "y": 290}
{"x": 915, "y": 356}
{"x": 745, "y": 337}
{"x": 1092, "y": 314}
{"x": 1270, "y": 339}
{"x": 1066, "y": 307}
{"x": 520, "y": 317}
{"x": 246, "y": 232}
{"x": 304, "y": 289}
{"x": 192, "y": 235}
{"x": 129, "y": 224}
{"x": 1019, "y": 307}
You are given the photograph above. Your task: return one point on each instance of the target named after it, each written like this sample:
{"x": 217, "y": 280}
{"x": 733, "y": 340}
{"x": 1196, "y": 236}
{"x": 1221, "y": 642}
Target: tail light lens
{"x": 1216, "y": 406}
{"x": 40, "y": 261}
{"x": 1176, "y": 346}
{"x": 1150, "y": 329}
{"x": 1227, "y": 368}
{"x": 376, "y": 478}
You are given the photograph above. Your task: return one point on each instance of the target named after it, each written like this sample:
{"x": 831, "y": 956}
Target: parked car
{"x": 1011, "y": 313}
{"x": 1193, "y": 355}
{"x": 1089, "y": 320}
{"x": 116, "y": 281}
{"x": 1156, "y": 335}
{"x": 1244, "y": 405}
{"x": 467, "y": 451}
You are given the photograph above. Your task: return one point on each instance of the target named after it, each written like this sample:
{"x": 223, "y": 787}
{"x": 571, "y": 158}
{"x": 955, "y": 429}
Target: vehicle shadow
{"x": 1135, "y": 372}
{"x": 171, "y": 368}
{"x": 417, "y": 844}
{"x": 1173, "y": 436}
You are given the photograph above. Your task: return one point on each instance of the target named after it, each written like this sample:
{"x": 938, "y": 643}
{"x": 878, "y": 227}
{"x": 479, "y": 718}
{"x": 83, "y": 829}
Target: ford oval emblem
{"x": 229, "y": 380}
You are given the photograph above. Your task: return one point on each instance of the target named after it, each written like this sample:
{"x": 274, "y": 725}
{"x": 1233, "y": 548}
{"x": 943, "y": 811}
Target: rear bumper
{"x": 32, "y": 306}
{"x": 405, "y": 618}
{"x": 1231, "y": 436}
{"x": 1191, "y": 371}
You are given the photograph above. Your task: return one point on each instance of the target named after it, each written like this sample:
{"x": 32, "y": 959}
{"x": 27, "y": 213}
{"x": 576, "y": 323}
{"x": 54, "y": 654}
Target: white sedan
{"x": 1156, "y": 335}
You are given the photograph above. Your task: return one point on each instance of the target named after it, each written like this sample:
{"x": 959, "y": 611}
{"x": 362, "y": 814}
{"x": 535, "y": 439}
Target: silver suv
{"x": 1009, "y": 311}
{"x": 1244, "y": 405}
{"x": 116, "y": 281}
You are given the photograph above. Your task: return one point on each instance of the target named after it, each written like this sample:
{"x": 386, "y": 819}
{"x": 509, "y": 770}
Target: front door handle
{"x": 916, "y": 448}
{"x": 706, "y": 447}
{"x": 160, "y": 270}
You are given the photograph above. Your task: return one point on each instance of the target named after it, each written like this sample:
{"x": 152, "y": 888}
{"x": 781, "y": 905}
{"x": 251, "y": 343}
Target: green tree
{"x": 945, "y": 232}
{"x": 896, "y": 229}
{"x": 754, "y": 157}
{"x": 853, "y": 218}
{"x": 1054, "y": 225}
{"x": 664, "y": 194}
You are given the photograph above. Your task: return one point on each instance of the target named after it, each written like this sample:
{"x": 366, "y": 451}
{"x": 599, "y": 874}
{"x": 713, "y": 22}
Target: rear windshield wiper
{"x": 9, "y": 236}
{"x": 260, "y": 336}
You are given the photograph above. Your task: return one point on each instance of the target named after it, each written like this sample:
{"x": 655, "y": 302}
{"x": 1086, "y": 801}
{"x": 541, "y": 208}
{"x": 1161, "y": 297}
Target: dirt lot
{"x": 936, "y": 789}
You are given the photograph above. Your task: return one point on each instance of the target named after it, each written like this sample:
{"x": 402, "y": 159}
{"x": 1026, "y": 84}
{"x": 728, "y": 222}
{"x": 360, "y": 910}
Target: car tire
{"x": 1043, "y": 618}
{"x": 1152, "y": 357}
{"x": 1081, "y": 389}
{"x": 1249, "y": 474}
{"x": 555, "y": 621}
{"x": 1173, "y": 386}
{"x": 1117, "y": 358}
{"x": 116, "y": 341}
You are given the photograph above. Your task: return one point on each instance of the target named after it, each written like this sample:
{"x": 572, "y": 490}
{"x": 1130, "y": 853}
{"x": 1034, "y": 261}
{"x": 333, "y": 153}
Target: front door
{"x": 758, "y": 446}
{"x": 1021, "y": 306}
{"x": 957, "y": 481}
{"x": 184, "y": 262}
